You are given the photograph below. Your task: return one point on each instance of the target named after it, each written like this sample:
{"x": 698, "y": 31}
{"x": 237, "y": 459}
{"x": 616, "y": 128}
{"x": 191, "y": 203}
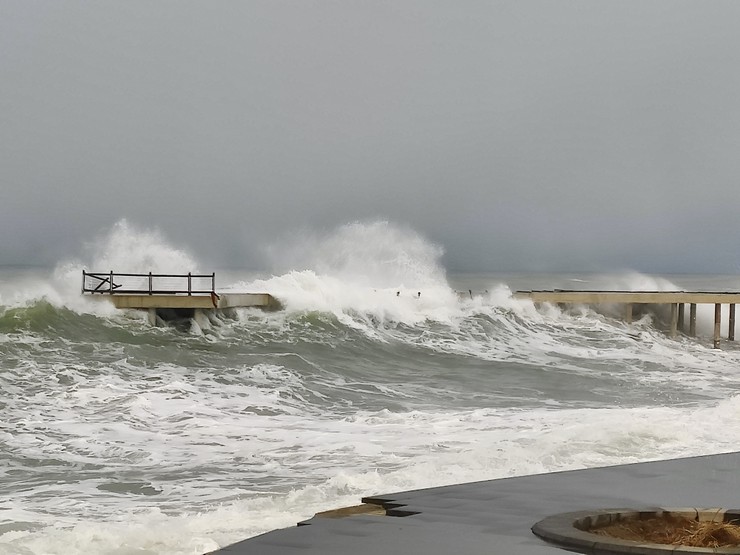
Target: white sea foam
{"x": 400, "y": 451}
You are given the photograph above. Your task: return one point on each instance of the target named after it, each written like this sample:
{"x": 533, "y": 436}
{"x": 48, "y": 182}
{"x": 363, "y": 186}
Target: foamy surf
{"x": 400, "y": 451}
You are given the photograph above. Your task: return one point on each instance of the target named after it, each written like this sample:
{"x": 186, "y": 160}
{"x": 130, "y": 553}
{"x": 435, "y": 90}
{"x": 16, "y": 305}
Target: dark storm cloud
{"x": 518, "y": 135}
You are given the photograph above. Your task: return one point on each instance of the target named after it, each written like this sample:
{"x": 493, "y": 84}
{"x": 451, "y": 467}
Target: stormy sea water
{"x": 381, "y": 373}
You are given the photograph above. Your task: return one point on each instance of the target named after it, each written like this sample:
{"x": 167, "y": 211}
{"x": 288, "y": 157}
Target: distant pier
{"x": 676, "y": 300}
{"x": 170, "y": 296}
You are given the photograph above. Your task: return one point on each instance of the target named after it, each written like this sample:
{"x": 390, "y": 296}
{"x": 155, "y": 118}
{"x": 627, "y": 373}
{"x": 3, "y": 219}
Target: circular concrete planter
{"x": 572, "y": 530}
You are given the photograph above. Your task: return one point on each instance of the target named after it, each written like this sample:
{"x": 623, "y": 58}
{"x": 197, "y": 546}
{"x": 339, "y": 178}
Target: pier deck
{"x": 219, "y": 300}
{"x": 169, "y": 296}
{"x": 676, "y": 300}
{"x": 632, "y": 297}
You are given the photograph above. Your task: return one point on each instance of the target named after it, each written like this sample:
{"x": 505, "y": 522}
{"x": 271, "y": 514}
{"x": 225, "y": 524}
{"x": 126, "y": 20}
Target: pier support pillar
{"x": 152, "y": 316}
{"x": 681, "y": 326}
{"x": 717, "y": 321}
{"x": 628, "y": 313}
{"x": 201, "y": 318}
{"x": 674, "y": 319}
{"x": 731, "y": 331}
{"x": 692, "y": 319}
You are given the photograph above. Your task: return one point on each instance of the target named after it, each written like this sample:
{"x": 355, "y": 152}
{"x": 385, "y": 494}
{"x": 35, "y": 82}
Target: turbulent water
{"x": 120, "y": 438}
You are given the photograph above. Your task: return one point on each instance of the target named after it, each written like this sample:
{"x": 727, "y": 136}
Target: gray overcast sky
{"x": 518, "y": 135}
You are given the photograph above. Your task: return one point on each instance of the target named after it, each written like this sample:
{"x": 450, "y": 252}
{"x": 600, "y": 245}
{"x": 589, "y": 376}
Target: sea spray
{"x": 360, "y": 270}
{"x": 123, "y": 248}
{"x": 370, "y": 254}
{"x": 131, "y": 249}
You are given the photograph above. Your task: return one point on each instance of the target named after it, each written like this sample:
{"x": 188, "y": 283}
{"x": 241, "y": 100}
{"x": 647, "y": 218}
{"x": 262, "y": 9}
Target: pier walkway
{"x": 169, "y": 296}
{"x": 676, "y": 300}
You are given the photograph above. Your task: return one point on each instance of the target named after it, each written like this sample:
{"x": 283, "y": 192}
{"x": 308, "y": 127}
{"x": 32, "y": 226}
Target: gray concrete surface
{"x": 495, "y": 517}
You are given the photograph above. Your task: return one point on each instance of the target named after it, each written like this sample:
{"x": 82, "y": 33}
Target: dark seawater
{"x": 121, "y": 438}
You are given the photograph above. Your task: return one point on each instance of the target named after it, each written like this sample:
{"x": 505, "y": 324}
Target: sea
{"x": 381, "y": 372}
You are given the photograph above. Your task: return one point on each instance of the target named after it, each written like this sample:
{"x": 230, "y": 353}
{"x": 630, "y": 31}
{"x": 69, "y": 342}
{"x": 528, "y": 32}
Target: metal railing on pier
{"x": 112, "y": 283}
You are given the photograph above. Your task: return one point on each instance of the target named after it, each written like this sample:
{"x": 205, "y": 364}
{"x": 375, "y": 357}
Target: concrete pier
{"x": 219, "y": 300}
{"x": 170, "y": 296}
{"x": 674, "y": 299}
{"x": 496, "y": 517}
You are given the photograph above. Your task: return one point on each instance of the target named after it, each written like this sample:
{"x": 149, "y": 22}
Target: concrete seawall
{"x": 496, "y": 517}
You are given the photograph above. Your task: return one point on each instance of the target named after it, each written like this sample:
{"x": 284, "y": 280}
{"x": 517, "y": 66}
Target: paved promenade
{"x": 495, "y": 517}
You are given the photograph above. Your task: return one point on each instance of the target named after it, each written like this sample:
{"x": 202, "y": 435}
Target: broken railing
{"x": 113, "y": 283}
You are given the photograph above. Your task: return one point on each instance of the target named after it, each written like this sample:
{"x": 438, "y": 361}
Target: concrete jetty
{"x": 676, "y": 300}
{"x": 496, "y": 517}
{"x": 170, "y": 296}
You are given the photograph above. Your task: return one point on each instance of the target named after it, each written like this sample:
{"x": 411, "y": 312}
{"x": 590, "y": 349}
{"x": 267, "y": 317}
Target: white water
{"x": 398, "y": 452}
